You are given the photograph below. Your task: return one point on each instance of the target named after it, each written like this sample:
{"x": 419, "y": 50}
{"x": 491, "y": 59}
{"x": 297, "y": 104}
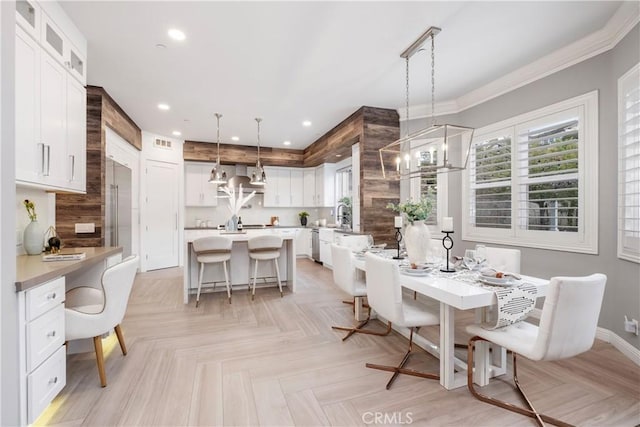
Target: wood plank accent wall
{"x": 102, "y": 111}
{"x": 373, "y": 128}
{"x": 233, "y": 154}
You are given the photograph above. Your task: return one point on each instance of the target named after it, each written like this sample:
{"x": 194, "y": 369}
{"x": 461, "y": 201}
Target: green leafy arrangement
{"x": 31, "y": 209}
{"x": 414, "y": 210}
{"x": 303, "y": 214}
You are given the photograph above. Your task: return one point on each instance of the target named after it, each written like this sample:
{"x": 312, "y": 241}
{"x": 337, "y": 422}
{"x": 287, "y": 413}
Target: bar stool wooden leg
{"x": 200, "y": 283}
{"x": 226, "y": 278}
{"x": 275, "y": 261}
{"x": 255, "y": 275}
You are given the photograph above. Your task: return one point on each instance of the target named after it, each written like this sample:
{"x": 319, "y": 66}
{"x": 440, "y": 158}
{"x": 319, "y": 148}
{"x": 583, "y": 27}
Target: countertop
{"x": 32, "y": 271}
{"x": 268, "y": 227}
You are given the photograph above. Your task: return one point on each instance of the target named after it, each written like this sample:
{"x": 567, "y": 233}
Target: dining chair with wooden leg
{"x": 345, "y": 276}
{"x": 91, "y": 312}
{"x": 384, "y": 291}
{"x": 567, "y": 328}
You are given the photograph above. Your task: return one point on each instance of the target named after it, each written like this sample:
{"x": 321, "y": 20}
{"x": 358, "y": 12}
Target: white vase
{"x": 416, "y": 239}
{"x": 33, "y": 238}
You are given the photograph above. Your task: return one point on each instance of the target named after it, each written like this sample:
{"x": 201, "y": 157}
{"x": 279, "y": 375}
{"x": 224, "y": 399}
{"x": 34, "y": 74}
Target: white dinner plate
{"x": 415, "y": 271}
{"x": 503, "y": 281}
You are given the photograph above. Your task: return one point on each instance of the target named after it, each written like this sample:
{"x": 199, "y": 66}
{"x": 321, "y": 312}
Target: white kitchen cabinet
{"x": 297, "y": 187}
{"x": 303, "y": 242}
{"x": 326, "y": 185}
{"x": 326, "y": 238}
{"x": 309, "y": 184}
{"x": 197, "y": 189}
{"x": 285, "y": 187}
{"x": 50, "y": 101}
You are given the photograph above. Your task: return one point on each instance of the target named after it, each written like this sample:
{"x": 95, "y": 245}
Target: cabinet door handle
{"x": 73, "y": 167}
{"x": 52, "y": 295}
{"x": 53, "y": 380}
{"x": 48, "y": 160}
{"x": 41, "y": 158}
{"x": 52, "y": 334}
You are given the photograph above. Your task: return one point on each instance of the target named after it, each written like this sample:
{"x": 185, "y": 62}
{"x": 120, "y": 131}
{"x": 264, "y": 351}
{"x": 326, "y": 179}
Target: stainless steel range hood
{"x": 241, "y": 177}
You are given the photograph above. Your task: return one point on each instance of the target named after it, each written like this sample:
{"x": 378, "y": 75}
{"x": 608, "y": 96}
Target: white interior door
{"x": 161, "y": 230}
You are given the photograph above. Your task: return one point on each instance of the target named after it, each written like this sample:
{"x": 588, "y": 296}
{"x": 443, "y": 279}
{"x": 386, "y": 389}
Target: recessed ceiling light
{"x": 287, "y": 143}
{"x": 161, "y": 46}
{"x": 235, "y": 138}
{"x": 163, "y": 107}
{"x": 176, "y": 34}
{"x": 306, "y": 123}
{"x": 176, "y": 133}
{"x": 338, "y": 155}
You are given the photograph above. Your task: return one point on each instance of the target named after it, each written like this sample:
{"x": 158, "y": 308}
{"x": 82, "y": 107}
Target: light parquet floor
{"x": 276, "y": 362}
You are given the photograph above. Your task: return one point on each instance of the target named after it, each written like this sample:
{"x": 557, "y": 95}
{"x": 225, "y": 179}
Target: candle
{"x": 398, "y": 163}
{"x": 447, "y": 223}
{"x": 397, "y": 222}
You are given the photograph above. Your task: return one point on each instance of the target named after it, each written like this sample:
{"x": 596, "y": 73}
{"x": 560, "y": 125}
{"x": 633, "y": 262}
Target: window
{"x": 629, "y": 165}
{"x": 429, "y": 181}
{"x": 532, "y": 180}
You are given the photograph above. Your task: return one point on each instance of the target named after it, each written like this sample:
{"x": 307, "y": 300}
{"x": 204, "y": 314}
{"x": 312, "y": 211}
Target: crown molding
{"x": 626, "y": 17}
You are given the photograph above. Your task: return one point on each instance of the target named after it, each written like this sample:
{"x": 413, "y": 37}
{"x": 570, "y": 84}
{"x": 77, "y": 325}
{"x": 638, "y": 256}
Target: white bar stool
{"x": 265, "y": 248}
{"x": 211, "y": 250}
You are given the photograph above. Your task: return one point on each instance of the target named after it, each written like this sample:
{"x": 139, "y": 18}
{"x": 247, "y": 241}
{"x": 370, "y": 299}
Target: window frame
{"x": 629, "y": 251}
{"x": 585, "y": 240}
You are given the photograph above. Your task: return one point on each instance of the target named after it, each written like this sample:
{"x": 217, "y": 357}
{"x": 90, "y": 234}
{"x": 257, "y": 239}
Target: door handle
{"x": 48, "y": 159}
{"x": 41, "y": 158}
{"x": 117, "y": 217}
{"x": 73, "y": 167}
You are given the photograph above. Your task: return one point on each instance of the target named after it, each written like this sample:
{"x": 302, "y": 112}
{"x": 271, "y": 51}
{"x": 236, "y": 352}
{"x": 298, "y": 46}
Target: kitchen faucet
{"x": 342, "y": 216}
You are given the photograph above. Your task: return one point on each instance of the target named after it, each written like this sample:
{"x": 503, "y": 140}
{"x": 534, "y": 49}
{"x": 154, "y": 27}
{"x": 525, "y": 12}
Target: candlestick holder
{"x": 447, "y": 242}
{"x": 398, "y": 239}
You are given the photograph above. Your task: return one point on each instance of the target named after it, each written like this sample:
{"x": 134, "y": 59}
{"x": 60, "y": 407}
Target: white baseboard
{"x": 609, "y": 337}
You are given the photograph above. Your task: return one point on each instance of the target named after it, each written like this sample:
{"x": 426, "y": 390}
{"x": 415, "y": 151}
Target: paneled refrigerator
{"x": 118, "y": 214}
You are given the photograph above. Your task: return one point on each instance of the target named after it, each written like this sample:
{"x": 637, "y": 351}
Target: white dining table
{"x": 457, "y": 294}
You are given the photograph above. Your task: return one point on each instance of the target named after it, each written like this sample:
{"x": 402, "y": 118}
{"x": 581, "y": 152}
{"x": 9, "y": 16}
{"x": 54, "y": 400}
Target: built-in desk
{"x": 41, "y": 288}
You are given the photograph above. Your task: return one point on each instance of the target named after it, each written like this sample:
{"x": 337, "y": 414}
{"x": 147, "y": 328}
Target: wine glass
{"x": 469, "y": 259}
{"x": 481, "y": 254}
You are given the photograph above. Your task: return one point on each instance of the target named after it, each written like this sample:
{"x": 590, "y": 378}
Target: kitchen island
{"x": 239, "y": 265}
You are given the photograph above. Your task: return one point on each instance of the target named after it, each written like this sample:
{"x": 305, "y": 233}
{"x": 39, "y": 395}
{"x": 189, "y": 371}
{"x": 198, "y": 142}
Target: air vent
{"x": 162, "y": 143}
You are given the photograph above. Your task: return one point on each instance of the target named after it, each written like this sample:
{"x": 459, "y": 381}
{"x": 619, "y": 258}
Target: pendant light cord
{"x": 433, "y": 80}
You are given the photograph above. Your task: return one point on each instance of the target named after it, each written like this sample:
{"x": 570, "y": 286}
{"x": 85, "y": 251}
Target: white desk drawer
{"x": 44, "y": 336}
{"x": 44, "y": 297}
{"x": 45, "y": 383}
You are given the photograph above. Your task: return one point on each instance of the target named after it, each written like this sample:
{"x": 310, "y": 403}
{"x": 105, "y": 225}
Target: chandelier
{"x": 438, "y": 147}
{"x": 216, "y": 176}
{"x": 258, "y": 177}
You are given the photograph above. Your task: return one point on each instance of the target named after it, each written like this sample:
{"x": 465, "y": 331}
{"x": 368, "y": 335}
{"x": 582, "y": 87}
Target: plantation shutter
{"x": 629, "y": 165}
{"x": 547, "y": 168}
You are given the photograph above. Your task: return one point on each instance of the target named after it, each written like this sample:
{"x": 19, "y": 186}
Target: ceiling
{"x": 320, "y": 61}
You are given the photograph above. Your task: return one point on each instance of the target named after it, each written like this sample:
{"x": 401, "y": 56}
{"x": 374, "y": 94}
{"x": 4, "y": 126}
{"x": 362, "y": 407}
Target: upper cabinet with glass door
{"x": 50, "y": 26}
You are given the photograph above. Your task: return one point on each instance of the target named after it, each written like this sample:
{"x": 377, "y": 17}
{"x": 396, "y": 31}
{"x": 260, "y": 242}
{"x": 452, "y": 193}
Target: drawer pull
{"x": 52, "y": 295}
{"x": 53, "y": 380}
{"x": 51, "y": 334}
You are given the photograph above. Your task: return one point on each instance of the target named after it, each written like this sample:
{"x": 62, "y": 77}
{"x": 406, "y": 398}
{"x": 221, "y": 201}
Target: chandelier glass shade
{"x": 258, "y": 177}
{"x": 218, "y": 176}
{"x": 439, "y": 147}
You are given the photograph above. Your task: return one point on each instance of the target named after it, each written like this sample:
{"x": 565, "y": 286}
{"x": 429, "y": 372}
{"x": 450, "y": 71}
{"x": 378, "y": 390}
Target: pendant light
{"x": 443, "y": 148}
{"x": 258, "y": 177}
{"x": 218, "y": 177}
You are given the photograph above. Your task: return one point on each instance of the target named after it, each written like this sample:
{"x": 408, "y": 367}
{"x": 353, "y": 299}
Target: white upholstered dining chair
{"x": 503, "y": 259}
{"x": 211, "y": 250}
{"x": 91, "y": 312}
{"x": 346, "y": 277}
{"x": 384, "y": 292}
{"x": 567, "y": 328}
